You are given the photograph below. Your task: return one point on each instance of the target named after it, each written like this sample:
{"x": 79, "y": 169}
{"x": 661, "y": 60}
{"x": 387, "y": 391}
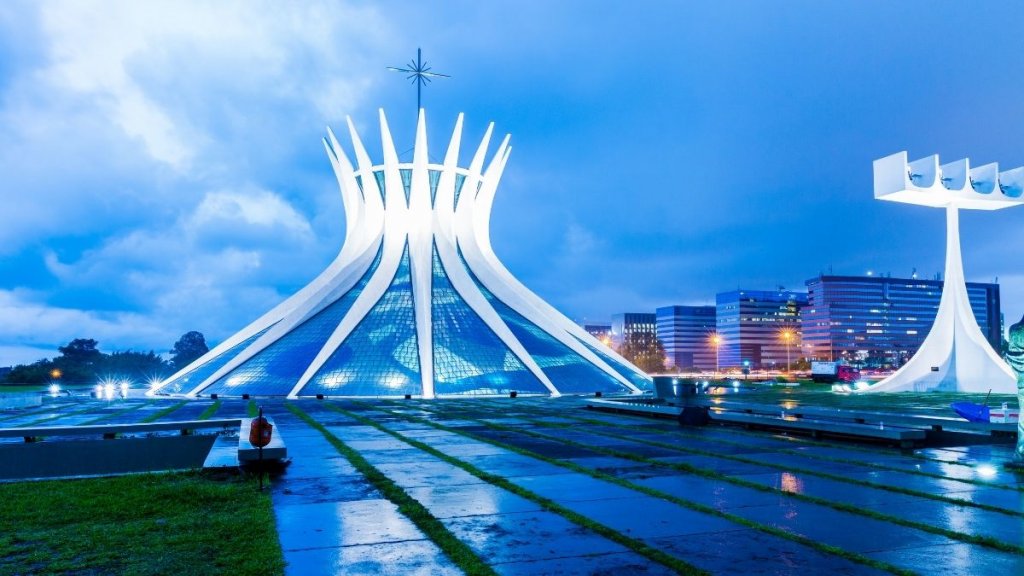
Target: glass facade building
{"x": 685, "y": 332}
{"x": 880, "y": 322}
{"x": 640, "y": 325}
{"x": 415, "y": 304}
{"x": 753, "y": 324}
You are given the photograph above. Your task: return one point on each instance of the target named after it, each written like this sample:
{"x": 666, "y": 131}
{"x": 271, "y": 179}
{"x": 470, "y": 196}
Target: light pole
{"x": 716, "y": 341}
{"x": 787, "y": 337}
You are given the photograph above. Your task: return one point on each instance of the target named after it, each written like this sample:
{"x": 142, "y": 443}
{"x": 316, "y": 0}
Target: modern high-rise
{"x": 879, "y": 321}
{"x": 641, "y": 325}
{"x": 759, "y": 328}
{"x": 685, "y": 332}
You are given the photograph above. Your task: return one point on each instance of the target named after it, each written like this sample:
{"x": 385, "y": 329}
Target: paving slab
{"x": 330, "y": 520}
{"x": 718, "y": 494}
{"x": 956, "y": 559}
{"x": 470, "y": 500}
{"x": 749, "y": 552}
{"x": 425, "y": 473}
{"x": 510, "y": 465}
{"x": 617, "y": 564}
{"x": 346, "y": 523}
{"x": 719, "y": 465}
{"x": 992, "y": 495}
{"x": 528, "y": 536}
{"x": 409, "y": 558}
{"x": 323, "y": 489}
{"x": 834, "y": 527}
{"x": 646, "y": 517}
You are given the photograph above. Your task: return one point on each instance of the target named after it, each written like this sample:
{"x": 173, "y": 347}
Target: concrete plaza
{"x": 544, "y": 486}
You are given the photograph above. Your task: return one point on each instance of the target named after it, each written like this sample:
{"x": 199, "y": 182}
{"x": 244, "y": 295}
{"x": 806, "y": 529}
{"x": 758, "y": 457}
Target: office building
{"x": 759, "y": 328}
{"x": 879, "y": 321}
{"x": 685, "y": 332}
{"x": 602, "y": 332}
{"x": 640, "y": 325}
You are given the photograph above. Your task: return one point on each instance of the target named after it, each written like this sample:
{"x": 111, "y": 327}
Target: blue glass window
{"x": 379, "y": 176}
{"x": 460, "y": 179}
{"x": 435, "y": 177}
{"x": 194, "y": 377}
{"x": 406, "y": 181}
{"x": 380, "y": 357}
{"x": 567, "y": 370}
{"x": 469, "y": 358}
{"x": 277, "y": 368}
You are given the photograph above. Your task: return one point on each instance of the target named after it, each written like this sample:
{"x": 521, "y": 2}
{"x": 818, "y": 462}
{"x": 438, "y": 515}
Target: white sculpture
{"x": 955, "y": 356}
{"x": 416, "y": 302}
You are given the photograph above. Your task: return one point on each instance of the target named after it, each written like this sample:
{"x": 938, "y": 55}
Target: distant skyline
{"x": 162, "y": 170}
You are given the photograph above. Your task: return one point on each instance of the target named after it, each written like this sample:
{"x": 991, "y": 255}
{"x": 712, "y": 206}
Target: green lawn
{"x": 181, "y": 523}
{"x": 21, "y": 388}
{"x": 821, "y": 395}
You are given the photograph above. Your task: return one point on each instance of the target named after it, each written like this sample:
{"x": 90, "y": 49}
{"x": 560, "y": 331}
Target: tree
{"x": 644, "y": 351}
{"x": 35, "y": 373}
{"x": 81, "y": 351}
{"x": 187, "y": 349}
{"x": 79, "y": 361}
{"x": 135, "y": 366}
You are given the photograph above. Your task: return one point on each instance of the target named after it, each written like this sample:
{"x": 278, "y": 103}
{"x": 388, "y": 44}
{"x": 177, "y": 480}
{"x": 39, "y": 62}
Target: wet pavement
{"x": 545, "y": 486}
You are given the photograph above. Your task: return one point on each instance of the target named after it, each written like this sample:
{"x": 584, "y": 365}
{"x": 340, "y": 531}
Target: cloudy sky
{"x": 161, "y": 167}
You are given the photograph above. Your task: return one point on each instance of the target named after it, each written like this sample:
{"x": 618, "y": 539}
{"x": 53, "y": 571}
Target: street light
{"x": 716, "y": 341}
{"x": 787, "y": 336}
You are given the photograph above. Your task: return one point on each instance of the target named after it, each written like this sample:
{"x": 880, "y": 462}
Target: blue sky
{"x": 161, "y": 167}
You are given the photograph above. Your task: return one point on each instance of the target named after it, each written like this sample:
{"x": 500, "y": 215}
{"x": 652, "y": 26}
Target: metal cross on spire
{"x": 420, "y": 74}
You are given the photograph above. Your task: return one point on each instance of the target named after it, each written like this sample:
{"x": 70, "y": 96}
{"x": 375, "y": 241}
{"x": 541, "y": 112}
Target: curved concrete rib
{"x": 383, "y": 221}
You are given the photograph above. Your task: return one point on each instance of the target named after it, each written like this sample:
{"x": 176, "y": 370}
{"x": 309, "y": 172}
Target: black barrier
{"x": 694, "y": 416}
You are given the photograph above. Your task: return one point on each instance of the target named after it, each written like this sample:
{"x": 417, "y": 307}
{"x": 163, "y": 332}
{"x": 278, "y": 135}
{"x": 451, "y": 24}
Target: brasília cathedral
{"x": 415, "y": 303}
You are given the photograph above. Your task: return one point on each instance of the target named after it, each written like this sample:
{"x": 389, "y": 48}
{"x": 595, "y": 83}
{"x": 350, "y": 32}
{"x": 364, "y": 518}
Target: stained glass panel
{"x": 278, "y": 368}
{"x": 380, "y": 357}
{"x": 469, "y": 358}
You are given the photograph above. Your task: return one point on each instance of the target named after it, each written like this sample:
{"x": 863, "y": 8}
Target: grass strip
{"x": 160, "y": 414}
{"x": 462, "y": 555}
{"x": 789, "y": 468}
{"x": 18, "y": 414}
{"x": 836, "y": 459}
{"x": 569, "y": 465}
{"x": 35, "y": 423}
{"x": 114, "y": 414}
{"x": 633, "y": 544}
{"x": 986, "y": 541}
{"x": 210, "y": 410}
{"x": 647, "y": 427}
{"x": 141, "y": 524}
{"x": 251, "y": 409}
{"x": 645, "y": 422}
